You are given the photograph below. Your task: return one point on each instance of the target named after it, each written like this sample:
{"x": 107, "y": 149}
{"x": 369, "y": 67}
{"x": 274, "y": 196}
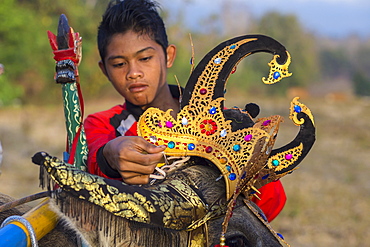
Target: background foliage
{"x": 29, "y": 67}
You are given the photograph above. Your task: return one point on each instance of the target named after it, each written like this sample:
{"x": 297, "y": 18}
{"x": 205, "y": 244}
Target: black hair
{"x": 140, "y": 16}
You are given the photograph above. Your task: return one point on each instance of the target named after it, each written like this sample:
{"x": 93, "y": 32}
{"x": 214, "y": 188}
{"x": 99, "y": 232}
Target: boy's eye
{"x": 117, "y": 65}
{"x": 145, "y": 58}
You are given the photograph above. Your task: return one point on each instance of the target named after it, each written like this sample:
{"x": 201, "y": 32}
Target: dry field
{"x": 328, "y": 197}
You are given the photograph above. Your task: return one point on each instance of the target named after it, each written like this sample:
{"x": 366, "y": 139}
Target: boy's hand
{"x": 133, "y": 157}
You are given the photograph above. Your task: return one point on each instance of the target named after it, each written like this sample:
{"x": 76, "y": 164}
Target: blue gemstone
{"x": 244, "y": 175}
{"x": 171, "y": 144}
{"x": 266, "y": 176}
{"x": 233, "y": 47}
{"x": 212, "y": 110}
{"x": 263, "y": 216}
{"x": 236, "y": 148}
{"x": 191, "y": 146}
{"x": 280, "y": 235}
{"x": 232, "y": 176}
{"x": 276, "y": 75}
{"x": 228, "y": 168}
{"x": 297, "y": 109}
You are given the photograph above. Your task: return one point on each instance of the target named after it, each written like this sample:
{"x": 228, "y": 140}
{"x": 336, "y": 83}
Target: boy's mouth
{"x": 137, "y": 87}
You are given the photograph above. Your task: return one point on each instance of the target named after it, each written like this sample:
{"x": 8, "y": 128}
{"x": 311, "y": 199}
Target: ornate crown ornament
{"x": 244, "y": 156}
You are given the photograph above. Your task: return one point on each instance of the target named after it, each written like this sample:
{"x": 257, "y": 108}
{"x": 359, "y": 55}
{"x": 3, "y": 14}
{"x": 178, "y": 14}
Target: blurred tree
{"x": 334, "y": 62}
{"x": 361, "y": 84}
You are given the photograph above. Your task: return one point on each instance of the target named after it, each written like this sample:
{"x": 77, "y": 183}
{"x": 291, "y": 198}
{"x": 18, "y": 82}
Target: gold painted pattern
{"x": 175, "y": 200}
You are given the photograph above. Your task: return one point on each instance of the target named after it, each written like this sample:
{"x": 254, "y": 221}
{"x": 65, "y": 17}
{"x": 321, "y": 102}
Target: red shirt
{"x": 121, "y": 120}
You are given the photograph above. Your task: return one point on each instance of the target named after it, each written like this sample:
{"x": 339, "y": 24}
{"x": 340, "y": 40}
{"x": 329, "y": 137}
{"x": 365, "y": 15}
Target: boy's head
{"x": 140, "y": 16}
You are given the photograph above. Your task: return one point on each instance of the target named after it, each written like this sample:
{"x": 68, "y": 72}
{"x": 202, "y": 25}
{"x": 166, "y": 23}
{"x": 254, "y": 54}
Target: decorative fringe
{"x": 45, "y": 179}
{"x": 95, "y": 223}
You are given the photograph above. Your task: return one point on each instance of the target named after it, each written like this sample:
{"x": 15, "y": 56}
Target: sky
{"x": 331, "y": 18}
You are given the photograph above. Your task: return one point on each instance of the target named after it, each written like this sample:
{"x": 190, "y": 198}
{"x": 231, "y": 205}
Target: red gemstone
{"x": 203, "y": 91}
{"x": 234, "y": 70}
{"x": 209, "y": 149}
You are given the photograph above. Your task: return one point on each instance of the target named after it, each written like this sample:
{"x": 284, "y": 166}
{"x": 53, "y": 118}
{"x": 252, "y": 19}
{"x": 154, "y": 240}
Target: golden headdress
{"x": 203, "y": 128}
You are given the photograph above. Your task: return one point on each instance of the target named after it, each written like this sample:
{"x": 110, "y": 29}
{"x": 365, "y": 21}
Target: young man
{"x": 135, "y": 55}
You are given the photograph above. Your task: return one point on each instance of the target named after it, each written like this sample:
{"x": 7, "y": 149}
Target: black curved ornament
{"x": 249, "y": 44}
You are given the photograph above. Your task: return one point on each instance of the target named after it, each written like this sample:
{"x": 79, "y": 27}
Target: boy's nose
{"x": 134, "y": 72}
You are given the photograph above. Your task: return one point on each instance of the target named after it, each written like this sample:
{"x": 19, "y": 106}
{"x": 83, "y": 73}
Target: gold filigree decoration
{"x": 209, "y": 135}
{"x": 295, "y": 108}
{"x": 277, "y": 71}
{"x": 284, "y": 159}
{"x": 198, "y": 240}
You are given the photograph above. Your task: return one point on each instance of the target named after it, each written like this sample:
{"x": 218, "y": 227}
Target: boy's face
{"x": 137, "y": 67}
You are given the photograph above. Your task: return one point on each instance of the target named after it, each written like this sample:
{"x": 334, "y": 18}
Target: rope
{"x": 26, "y": 224}
{"x": 24, "y": 200}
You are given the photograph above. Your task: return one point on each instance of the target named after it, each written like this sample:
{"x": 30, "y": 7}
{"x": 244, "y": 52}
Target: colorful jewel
{"x": 280, "y": 235}
{"x": 233, "y": 47}
{"x": 247, "y": 138}
{"x": 171, "y": 144}
{"x": 266, "y": 176}
{"x": 275, "y": 162}
{"x": 244, "y": 175}
{"x": 208, "y": 127}
{"x": 223, "y": 160}
{"x": 228, "y": 168}
{"x": 184, "y": 121}
{"x": 217, "y": 60}
{"x": 232, "y": 176}
{"x": 263, "y": 216}
{"x": 276, "y": 75}
{"x": 209, "y": 149}
{"x": 297, "y": 109}
{"x": 223, "y": 133}
{"x": 234, "y": 70}
{"x": 267, "y": 122}
{"x": 169, "y": 124}
{"x": 288, "y": 156}
{"x": 153, "y": 139}
{"x": 191, "y": 146}
{"x": 236, "y": 147}
{"x": 212, "y": 110}
{"x": 203, "y": 91}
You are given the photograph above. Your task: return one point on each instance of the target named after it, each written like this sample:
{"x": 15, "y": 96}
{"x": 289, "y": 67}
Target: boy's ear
{"x": 102, "y": 68}
{"x": 171, "y": 55}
